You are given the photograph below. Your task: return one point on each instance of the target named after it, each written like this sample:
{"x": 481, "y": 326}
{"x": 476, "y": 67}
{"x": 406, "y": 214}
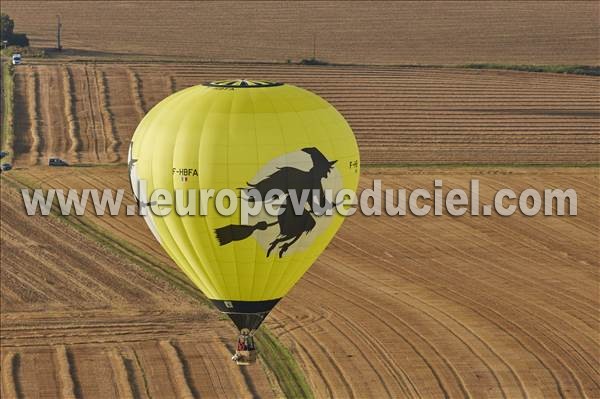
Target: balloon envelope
{"x": 241, "y": 135}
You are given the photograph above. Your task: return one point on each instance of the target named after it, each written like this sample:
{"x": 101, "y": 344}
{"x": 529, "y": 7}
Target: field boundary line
{"x": 122, "y": 58}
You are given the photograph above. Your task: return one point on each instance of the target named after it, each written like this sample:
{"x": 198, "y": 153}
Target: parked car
{"x": 16, "y": 59}
{"x": 57, "y": 162}
{"x": 6, "y": 166}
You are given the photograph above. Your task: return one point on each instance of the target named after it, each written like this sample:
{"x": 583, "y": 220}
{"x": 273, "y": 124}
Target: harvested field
{"x": 79, "y": 320}
{"x": 499, "y": 307}
{"x": 405, "y": 33}
{"x": 87, "y": 112}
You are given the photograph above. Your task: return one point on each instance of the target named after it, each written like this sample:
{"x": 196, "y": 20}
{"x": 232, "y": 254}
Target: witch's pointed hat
{"x": 319, "y": 160}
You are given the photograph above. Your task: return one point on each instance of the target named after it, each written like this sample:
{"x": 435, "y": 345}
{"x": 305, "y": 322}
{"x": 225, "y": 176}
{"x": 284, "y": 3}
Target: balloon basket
{"x": 245, "y": 353}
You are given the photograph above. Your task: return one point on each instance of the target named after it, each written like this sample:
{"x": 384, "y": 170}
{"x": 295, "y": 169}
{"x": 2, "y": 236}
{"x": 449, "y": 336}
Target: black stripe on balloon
{"x": 247, "y": 321}
{"x": 245, "y": 306}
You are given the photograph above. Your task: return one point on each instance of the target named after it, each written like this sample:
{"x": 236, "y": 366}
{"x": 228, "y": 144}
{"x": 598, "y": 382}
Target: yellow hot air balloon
{"x": 242, "y": 135}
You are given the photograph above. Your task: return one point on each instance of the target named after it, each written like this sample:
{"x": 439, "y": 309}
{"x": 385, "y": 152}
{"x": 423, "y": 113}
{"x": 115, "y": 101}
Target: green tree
{"x": 8, "y": 32}
{"x": 8, "y": 26}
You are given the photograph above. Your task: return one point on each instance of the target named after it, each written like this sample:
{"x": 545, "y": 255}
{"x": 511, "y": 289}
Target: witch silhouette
{"x": 291, "y": 225}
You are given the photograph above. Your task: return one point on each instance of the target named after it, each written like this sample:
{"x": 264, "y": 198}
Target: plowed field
{"x": 402, "y": 307}
{"x": 87, "y": 112}
{"x": 500, "y": 307}
{"x": 408, "y": 33}
{"x": 79, "y": 320}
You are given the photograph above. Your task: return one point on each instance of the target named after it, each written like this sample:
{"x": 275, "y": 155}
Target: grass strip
{"x": 282, "y": 363}
{"x": 6, "y": 136}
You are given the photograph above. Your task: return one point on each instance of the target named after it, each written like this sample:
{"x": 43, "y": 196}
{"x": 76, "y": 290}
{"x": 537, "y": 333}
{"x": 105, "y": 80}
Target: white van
{"x": 16, "y": 59}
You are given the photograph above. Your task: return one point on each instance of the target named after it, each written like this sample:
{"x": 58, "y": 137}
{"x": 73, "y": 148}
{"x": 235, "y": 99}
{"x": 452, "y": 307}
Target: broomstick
{"x": 237, "y": 232}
